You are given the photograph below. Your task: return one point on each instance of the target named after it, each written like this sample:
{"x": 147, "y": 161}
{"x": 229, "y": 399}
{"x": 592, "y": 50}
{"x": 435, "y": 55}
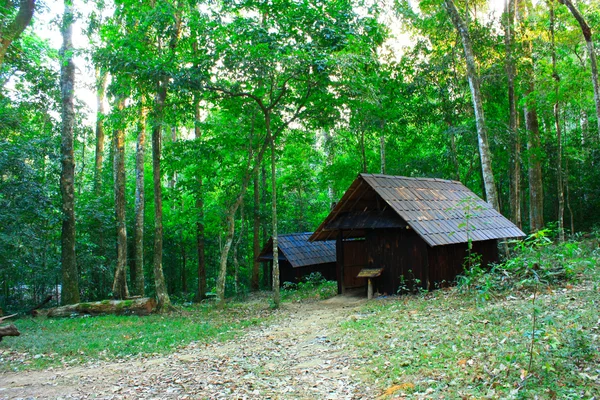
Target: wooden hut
{"x": 410, "y": 231}
{"x": 298, "y": 257}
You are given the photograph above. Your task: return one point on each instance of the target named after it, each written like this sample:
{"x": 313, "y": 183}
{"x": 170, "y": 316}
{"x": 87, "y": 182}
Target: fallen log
{"x": 34, "y": 310}
{"x": 7, "y": 317}
{"x": 141, "y": 306}
{"x": 8, "y": 330}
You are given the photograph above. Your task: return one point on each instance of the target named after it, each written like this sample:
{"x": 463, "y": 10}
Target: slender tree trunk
{"x": 140, "y": 202}
{"x": 559, "y": 172}
{"x": 453, "y": 156}
{"x": 236, "y": 246}
{"x": 569, "y": 196}
{"x": 536, "y": 197}
{"x": 266, "y": 270}
{"x": 11, "y": 31}
{"x": 363, "y": 152}
{"x": 276, "y": 296}
{"x": 119, "y": 288}
{"x": 255, "y": 234}
{"x": 382, "y": 149}
{"x": 184, "y": 287}
{"x": 101, "y": 81}
{"x": 515, "y": 182}
{"x": 230, "y": 223}
{"x": 587, "y": 34}
{"x": 100, "y": 96}
{"x": 70, "y": 278}
{"x": 484, "y": 150}
{"x": 534, "y": 150}
{"x": 163, "y": 300}
{"x": 201, "y": 290}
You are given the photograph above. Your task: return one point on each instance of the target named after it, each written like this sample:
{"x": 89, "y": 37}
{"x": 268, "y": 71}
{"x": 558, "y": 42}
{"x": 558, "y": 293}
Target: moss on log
{"x": 138, "y": 306}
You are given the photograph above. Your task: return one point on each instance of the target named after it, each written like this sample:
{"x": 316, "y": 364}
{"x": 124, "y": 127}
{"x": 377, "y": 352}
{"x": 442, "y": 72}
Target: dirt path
{"x": 294, "y": 358}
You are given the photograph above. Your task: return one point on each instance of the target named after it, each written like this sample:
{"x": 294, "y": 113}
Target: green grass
{"x": 47, "y": 342}
{"x": 456, "y": 344}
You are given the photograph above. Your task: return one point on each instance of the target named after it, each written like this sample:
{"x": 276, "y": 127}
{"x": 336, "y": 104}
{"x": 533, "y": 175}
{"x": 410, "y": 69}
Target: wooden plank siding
{"x": 295, "y": 275}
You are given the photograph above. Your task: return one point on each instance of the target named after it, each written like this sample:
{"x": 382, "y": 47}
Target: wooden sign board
{"x": 369, "y": 272}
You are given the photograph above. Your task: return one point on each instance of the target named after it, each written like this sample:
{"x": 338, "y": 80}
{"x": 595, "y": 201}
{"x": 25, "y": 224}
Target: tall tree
{"x": 276, "y": 295}
{"x": 70, "y": 278}
{"x": 200, "y": 243}
{"x": 255, "y": 233}
{"x": 101, "y": 80}
{"x": 473, "y": 77}
{"x": 587, "y": 34}
{"x": 534, "y": 148}
{"x": 509, "y": 43}
{"x": 140, "y": 202}
{"x": 556, "y": 109}
{"x": 11, "y": 29}
{"x": 119, "y": 289}
{"x": 163, "y": 299}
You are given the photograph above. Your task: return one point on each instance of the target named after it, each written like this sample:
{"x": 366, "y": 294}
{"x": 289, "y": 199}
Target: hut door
{"x": 355, "y": 259}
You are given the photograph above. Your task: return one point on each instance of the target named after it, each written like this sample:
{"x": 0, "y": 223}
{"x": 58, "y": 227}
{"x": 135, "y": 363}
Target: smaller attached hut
{"x": 398, "y": 232}
{"x": 298, "y": 257}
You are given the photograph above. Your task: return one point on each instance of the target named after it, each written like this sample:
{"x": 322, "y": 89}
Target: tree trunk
{"x": 164, "y": 302}
{"x": 587, "y": 34}
{"x": 382, "y": 150}
{"x": 534, "y": 150}
{"x": 100, "y": 96}
{"x": 70, "y": 279}
{"x": 484, "y": 150}
{"x": 138, "y": 306}
{"x": 8, "y": 330}
{"x": 236, "y": 246}
{"x": 10, "y": 32}
{"x": 559, "y": 171}
{"x": 276, "y": 296}
{"x": 184, "y": 287}
{"x": 515, "y": 182}
{"x": 255, "y": 235}
{"x": 201, "y": 291}
{"x": 363, "y": 152}
{"x": 119, "y": 289}
{"x": 140, "y": 202}
{"x": 266, "y": 270}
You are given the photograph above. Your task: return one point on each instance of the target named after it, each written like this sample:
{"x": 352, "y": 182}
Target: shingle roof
{"x": 435, "y": 209}
{"x": 296, "y": 248}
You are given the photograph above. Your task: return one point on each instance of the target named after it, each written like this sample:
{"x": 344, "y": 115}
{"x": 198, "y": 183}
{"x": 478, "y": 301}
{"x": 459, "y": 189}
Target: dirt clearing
{"x": 296, "y": 357}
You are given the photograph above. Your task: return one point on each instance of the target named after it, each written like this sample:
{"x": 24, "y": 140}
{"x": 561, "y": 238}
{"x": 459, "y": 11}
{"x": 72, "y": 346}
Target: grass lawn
{"x": 48, "y": 342}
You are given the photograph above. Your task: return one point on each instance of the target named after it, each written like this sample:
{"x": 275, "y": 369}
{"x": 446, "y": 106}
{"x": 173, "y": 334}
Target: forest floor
{"x": 299, "y": 355}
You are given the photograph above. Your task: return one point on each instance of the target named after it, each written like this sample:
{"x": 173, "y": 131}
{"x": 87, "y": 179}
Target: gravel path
{"x": 294, "y": 358}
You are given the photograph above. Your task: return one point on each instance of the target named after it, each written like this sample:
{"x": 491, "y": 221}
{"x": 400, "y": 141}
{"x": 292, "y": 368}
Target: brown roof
{"x": 435, "y": 209}
{"x": 296, "y": 249}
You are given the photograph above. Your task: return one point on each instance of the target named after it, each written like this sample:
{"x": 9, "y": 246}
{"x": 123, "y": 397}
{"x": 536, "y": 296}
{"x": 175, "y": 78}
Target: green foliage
{"x": 534, "y": 261}
{"x": 312, "y": 287}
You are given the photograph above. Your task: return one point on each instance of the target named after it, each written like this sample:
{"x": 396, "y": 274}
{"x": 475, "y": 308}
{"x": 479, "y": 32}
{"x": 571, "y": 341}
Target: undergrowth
{"x": 478, "y": 340}
{"x": 312, "y": 287}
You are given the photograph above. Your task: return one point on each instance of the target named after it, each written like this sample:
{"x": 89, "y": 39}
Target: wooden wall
{"x": 287, "y": 273}
{"x": 402, "y": 254}
{"x": 407, "y": 260}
